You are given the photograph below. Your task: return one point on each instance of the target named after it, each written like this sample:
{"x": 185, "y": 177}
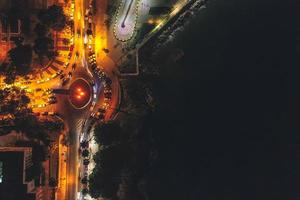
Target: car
{"x": 51, "y": 113}
{"x": 74, "y": 66}
{"x": 108, "y": 81}
{"x": 101, "y": 110}
{"x": 78, "y": 33}
{"x": 71, "y": 47}
{"x": 49, "y": 91}
{"x": 70, "y": 74}
{"x": 100, "y": 115}
{"x": 107, "y": 95}
{"x": 37, "y": 114}
{"x": 38, "y": 89}
{"x": 96, "y": 70}
{"x": 52, "y": 101}
{"x": 52, "y": 97}
{"x": 65, "y": 81}
{"x": 85, "y": 39}
{"x": 59, "y": 72}
{"x": 67, "y": 63}
{"x": 93, "y": 66}
{"x": 27, "y": 82}
{"x": 89, "y": 30}
{"x": 62, "y": 76}
{"x": 44, "y": 113}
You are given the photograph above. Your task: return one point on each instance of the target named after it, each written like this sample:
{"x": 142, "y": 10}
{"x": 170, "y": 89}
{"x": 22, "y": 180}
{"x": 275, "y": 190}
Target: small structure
{"x": 16, "y": 181}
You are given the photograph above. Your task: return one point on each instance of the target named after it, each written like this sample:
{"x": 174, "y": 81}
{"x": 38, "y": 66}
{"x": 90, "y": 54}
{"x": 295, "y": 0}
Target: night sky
{"x": 228, "y": 125}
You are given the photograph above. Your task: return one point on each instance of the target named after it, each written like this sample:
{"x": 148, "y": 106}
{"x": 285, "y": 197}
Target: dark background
{"x": 228, "y": 122}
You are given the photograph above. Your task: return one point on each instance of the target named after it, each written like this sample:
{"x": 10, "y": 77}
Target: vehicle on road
{"x": 65, "y": 81}
{"x": 59, "y": 72}
{"x": 74, "y": 66}
{"x": 78, "y": 33}
{"x": 67, "y": 63}
{"x": 76, "y": 55}
{"x": 52, "y": 101}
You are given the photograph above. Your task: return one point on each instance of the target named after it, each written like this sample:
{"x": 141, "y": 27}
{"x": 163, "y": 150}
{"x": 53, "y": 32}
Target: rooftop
{"x": 13, "y": 167}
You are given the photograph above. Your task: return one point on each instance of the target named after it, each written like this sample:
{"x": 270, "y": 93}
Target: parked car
{"x": 67, "y": 63}
{"x": 65, "y": 81}
{"x": 74, "y": 66}
{"x": 59, "y": 72}
{"x": 78, "y": 33}
{"x": 52, "y": 101}
{"x": 107, "y": 95}
{"x": 101, "y": 110}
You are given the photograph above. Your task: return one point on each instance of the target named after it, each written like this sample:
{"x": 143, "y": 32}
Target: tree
{"x": 84, "y": 144}
{"x": 54, "y": 125}
{"x": 44, "y": 46}
{"x": 85, "y": 153}
{"x": 53, "y": 17}
{"x": 66, "y": 41}
{"x": 84, "y": 180}
{"x": 52, "y": 182}
{"x": 84, "y": 191}
{"x": 25, "y": 100}
{"x": 103, "y": 184}
{"x": 107, "y": 133}
{"x": 86, "y": 162}
{"x": 21, "y": 57}
{"x": 41, "y": 30}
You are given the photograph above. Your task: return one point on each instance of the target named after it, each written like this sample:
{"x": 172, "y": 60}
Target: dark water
{"x": 228, "y": 125}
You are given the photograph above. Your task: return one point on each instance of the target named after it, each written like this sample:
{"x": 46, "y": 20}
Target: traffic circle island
{"x": 80, "y": 93}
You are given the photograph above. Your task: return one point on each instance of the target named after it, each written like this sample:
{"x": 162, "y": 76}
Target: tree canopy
{"x": 53, "y": 17}
{"x": 108, "y": 132}
{"x": 44, "y": 46}
{"x": 21, "y": 57}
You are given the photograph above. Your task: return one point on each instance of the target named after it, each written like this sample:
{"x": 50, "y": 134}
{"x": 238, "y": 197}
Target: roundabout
{"x": 80, "y": 93}
{"x": 126, "y": 20}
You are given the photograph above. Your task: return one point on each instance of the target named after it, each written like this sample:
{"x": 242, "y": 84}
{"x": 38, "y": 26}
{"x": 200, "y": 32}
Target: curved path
{"x": 126, "y": 19}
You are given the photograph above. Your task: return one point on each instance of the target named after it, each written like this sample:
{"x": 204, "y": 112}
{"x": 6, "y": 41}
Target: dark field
{"x": 228, "y": 122}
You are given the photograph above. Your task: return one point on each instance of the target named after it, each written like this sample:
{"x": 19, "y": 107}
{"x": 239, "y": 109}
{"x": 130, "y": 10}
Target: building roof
{"x": 12, "y": 176}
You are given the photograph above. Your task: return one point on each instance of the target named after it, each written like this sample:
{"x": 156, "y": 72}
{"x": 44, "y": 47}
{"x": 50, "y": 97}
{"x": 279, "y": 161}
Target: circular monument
{"x": 80, "y": 93}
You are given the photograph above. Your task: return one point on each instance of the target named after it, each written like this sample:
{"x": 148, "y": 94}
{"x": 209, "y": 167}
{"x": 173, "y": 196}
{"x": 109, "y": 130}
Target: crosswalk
{"x": 40, "y": 193}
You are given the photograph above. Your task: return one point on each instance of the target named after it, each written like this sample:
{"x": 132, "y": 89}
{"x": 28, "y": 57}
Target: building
{"x": 26, "y": 4}
{"x": 16, "y": 181}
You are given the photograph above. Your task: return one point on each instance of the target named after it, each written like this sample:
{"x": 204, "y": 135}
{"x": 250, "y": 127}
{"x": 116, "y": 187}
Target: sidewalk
{"x": 62, "y": 171}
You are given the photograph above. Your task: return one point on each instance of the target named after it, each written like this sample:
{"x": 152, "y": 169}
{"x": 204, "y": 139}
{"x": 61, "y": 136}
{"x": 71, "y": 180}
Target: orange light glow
{"x": 150, "y": 21}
